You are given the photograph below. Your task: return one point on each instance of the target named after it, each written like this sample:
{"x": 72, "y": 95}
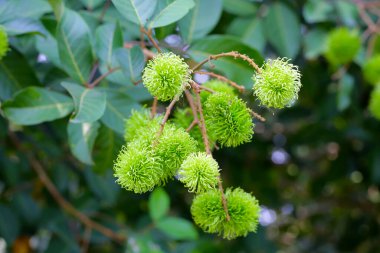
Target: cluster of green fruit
{"x": 157, "y": 151}
{"x": 342, "y": 46}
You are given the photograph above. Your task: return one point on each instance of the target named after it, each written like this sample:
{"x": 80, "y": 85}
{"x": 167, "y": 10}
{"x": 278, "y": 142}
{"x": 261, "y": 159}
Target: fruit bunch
{"x": 159, "y": 149}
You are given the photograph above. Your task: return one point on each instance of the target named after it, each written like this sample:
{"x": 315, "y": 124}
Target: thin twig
{"x": 154, "y": 108}
{"x": 149, "y": 35}
{"x": 206, "y": 89}
{"x": 258, "y": 116}
{"x": 202, "y": 125}
{"x": 100, "y": 78}
{"x": 222, "y": 78}
{"x": 190, "y": 100}
{"x": 193, "y": 124}
{"x": 228, "y": 54}
{"x": 223, "y": 199}
{"x": 167, "y": 114}
{"x": 38, "y": 168}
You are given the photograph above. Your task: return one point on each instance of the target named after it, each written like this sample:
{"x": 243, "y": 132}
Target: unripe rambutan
{"x": 243, "y": 208}
{"x": 371, "y": 70}
{"x": 217, "y": 86}
{"x": 183, "y": 118}
{"x": 228, "y": 120}
{"x": 278, "y": 83}
{"x": 172, "y": 147}
{"x": 199, "y": 172}
{"x": 4, "y": 44}
{"x": 342, "y": 45}
{"x": 139, "y": 122}
{"x": 136, "y": 168}
{"x": 166, "y": 76}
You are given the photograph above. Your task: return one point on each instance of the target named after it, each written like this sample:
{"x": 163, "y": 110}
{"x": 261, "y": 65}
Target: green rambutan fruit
{"x": 243, "y": 208}
{"x": 138, "y": 123}
{"x": 371, "y": 70}
{"x": 278, "y": 83}
{"x": 374, "y": 103}
{"x": 199, "y": 172}
{"x": 342, "y": 45}
{"x": 228, "y": 119}
{"x": 183, "y": 118}
{"x": 217, "y": 86}
{"x": 166, "y": 76}
{"x": 172, "y": 148}
{"x": 4, "y": 44}
{"x": 136, "y": 168}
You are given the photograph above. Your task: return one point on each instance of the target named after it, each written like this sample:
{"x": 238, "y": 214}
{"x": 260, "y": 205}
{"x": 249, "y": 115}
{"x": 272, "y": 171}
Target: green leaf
{"x": 200, "y": 20}
{"x": 34, "y": 105}
{"x": 15, "y": 74}
{"x": 283, "y": 29}
{"x": 73, "y": 37}
{"x": 47, "y": 45}
{"x": 240, "y": 7}
{"x": 15, "y": 9}
{"x": 348, "y": 12}
{"x": 136, "y": 11}
{"x": 118, "y": 108}
{"x": 58, "y": 8}
{"x": 23, "y": 26}
{"x": 235, "y": 69}
{"x": 92, "y": 4}
{"x": 107, "y": 145}
{"x": 89, "y": 103}
{"x": 81, "y": 139}
{"x": 159, "y": 203}
{"x": 142, "y": 244}
{"x": 9, "y": 225}
{"x": 132, "y": 62}
{"x": 177, "y": 228}
{"x": 102, "y": 186}
{"x": 250, "y": 31}
{"x": 171, "y": 13}
{"x": 317, "y": 11}
{"x": 346, "y": 85}
{"x": 314, "y": 43}
{"x": 108, "y": 38}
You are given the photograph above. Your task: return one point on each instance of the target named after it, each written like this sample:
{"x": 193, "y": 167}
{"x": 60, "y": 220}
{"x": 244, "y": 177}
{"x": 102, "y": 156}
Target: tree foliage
{"x": 72, "y": 72}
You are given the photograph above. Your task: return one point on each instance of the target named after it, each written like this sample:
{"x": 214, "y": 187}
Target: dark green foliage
{"x": 314, "y": 166}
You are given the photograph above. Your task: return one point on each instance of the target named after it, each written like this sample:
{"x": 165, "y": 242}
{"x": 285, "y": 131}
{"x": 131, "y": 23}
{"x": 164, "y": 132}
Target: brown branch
{"x": 223, "y": 199}
{"x": 202, "y": 126}
{"x": 38, "y": 168}
{"x": 228, "y": 54}
{"x": 206, "y": 89}
{"x": 149, "y": 35}
{"x": 167, "y": 114}
{"x": 154, "y": 108}
{"x": 190, "y": 100}
{"x": 100, "y": 78}
{"x": 148, "y": 54}
{"x": 201, "y": 122}
{"x": 193, "y": 123}
{"x": 222, "y": 78}
{"x": 258, "y": 116}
